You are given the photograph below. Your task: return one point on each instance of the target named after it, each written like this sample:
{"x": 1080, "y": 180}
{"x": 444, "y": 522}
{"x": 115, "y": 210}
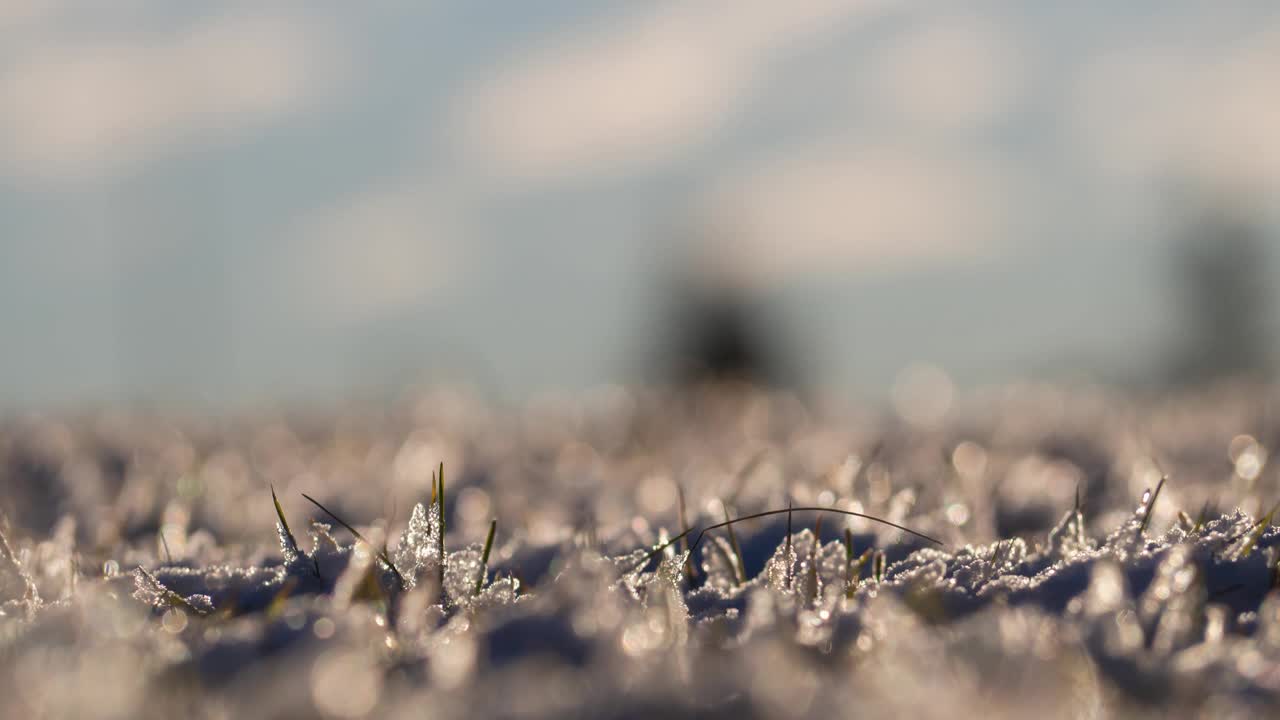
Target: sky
{"x": 216, "y": 203}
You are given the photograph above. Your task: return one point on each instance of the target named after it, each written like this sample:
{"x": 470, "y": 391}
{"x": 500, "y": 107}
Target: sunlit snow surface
{"x": 143, "y": 571}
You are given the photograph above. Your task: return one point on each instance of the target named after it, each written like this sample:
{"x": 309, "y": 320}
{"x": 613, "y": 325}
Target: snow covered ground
{"x": 144, "y": 570}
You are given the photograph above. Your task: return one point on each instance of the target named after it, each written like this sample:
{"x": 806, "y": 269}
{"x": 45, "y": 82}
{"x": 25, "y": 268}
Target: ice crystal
{"x": 418, "y": 550}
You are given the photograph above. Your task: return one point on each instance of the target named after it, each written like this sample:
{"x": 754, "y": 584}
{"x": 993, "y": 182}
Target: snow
{"x": 1112, "y": 605}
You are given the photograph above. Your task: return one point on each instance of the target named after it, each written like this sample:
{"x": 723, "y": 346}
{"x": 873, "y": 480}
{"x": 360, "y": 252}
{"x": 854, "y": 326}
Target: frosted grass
{"x": 1109, "y": 599}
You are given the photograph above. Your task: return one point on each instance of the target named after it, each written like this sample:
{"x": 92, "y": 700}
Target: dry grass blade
{"x": 380, "y": 554}
{"x": 1151, "y": 505}
{"x": 168, "y": 556}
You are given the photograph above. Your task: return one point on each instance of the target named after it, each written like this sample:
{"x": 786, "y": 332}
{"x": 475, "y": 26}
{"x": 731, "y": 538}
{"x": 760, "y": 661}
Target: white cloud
{"x": 943, "y": 75}
{"x": 841, "y": 207}
{"x": 1144, "y": 111}
{"x": 634, "y": 91}
{"x": 17, "y": 14}
{"x": 381, "y": 250}
{"x": 75, "y": 110}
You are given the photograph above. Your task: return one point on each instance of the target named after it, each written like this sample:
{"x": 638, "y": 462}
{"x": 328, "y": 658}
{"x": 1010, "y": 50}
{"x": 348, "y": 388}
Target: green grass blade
{"x": 379, "y": 553}
{"x": 280, "y": 514}
{"x": 787, "y": 554}
{"x": 484, "y": 557}
{"x": 740, "y": 570}
{"x": 1256, "y": 534}
{"x": 440, "y": 517}
{"x": 287, "y": 540}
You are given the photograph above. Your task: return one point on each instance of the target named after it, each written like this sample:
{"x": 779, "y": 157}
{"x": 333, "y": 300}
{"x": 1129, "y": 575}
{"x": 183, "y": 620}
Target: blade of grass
{"x": 1259, "y": 528}
{"x": 1151, "y": 505}
{"x": 168, "y": 556}
{"x": 280, "y": 514}
{"x": 380, "y": 554}
{"x": 855, "y": 571}
{"x": 812, "y": 577}
{"x": 787, "y": 554}
{"x": 288, "y": 542}
{"x": 440, "y": 517}
{"x": 740, "y": 570}
{"x": 1186, "y": 522}
{"x": 442, "y": 514}
{"x": 484, "y": 557}
{"x": 1204, "y": 514}
{"x": 848, "y": 562}
{"x": 684, "y": 542}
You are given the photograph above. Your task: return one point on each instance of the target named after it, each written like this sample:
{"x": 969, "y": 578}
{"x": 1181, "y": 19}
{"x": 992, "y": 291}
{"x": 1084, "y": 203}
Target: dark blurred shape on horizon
{"x": 1225, "y": 290}
{"x": 714, "y": 325}
{"x": 720, "y": 335}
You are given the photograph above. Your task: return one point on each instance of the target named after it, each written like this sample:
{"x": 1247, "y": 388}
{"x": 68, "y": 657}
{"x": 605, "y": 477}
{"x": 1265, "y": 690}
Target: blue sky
{"x": 265, "y": 200}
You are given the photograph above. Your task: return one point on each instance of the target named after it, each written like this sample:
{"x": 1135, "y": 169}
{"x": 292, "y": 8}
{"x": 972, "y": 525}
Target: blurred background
{"x": 223, "y": 205}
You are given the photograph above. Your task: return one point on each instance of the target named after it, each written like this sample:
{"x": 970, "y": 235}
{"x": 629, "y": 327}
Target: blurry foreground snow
{"x": 140, "y": 574}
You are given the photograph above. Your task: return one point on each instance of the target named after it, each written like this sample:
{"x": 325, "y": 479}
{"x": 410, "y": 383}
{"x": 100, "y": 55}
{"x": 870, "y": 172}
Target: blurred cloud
{"x": 636, "y": 90}
{"x": 79, "y": 109}
{"x": 15, "y": 13}
{"x": 948, "y": 74}
{"x": 838, "y": 207}
{"x": 374, "y": 253}
{"x": 1159, "y": 108}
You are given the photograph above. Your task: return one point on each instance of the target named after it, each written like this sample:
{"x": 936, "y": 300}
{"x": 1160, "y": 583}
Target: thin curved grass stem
{"x": 768, "y": 513}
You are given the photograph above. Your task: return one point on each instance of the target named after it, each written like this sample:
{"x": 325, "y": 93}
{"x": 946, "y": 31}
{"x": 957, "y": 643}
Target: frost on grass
{"x": 418, "y": 552}
{"x": 1062, "y": 588}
